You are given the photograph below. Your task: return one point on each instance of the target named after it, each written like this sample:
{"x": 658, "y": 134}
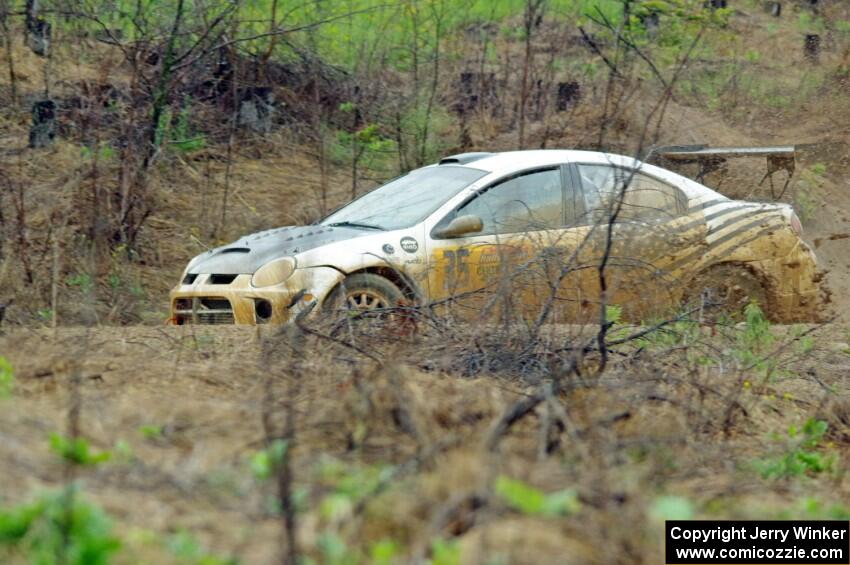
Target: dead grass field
{"x": 397, "y": 452}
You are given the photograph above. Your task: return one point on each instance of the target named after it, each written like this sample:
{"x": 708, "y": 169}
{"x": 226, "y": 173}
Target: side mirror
{"x": 461, "y": 225}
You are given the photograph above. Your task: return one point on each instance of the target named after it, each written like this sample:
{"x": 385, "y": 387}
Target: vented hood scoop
{"x": 251, "y": 252}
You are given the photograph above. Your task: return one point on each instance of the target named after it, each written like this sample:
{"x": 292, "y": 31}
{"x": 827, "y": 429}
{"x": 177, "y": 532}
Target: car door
{"x": 651, "y": 228}
{"x": 512, "y": 267}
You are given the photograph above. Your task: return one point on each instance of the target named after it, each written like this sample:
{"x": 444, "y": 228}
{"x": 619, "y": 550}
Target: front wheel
{"x": 364, "y": 292}
{"x": 366, "y": 300}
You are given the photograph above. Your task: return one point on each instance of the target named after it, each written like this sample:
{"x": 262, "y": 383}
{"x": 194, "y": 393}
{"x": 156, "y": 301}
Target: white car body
{"x": 709, "y": 228}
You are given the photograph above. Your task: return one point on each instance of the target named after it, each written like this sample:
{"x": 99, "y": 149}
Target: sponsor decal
{"x": 409, "y": 244}
{"x": 494, "y": 258}
{"x": 388, "y": 249}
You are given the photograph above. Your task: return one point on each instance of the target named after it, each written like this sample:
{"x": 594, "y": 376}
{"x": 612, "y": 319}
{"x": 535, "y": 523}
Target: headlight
{"x": 274, "y": 272}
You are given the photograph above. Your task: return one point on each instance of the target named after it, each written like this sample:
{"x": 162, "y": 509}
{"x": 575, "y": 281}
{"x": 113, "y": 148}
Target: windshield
{"x": 407, "y": 200}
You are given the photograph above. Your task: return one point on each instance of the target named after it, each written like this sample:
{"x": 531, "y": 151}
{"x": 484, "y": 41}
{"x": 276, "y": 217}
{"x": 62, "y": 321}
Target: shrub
{"x": 76, "y": 450}
{"x": 800, "y": 455}
{"x": 263, "y": 463}
{"x": 58, "y": 527}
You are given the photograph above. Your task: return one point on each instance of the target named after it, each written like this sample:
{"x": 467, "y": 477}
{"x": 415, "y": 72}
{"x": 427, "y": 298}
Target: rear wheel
{"x": 724, "y": 290}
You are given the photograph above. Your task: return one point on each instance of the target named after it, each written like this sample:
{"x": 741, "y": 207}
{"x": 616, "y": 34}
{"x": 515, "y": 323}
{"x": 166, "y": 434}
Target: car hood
{"x": 249, "y": 253}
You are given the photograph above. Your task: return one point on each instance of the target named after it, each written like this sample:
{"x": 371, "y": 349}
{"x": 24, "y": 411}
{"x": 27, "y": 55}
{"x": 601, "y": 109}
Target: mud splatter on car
{"x": 533, "y": 224}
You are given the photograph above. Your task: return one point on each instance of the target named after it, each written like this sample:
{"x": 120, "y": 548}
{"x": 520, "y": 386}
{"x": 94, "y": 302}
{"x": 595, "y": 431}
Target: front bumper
{"x": 206, "y": 300}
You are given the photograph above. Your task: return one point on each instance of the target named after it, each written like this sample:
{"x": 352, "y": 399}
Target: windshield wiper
{"x": 357, "y": 225}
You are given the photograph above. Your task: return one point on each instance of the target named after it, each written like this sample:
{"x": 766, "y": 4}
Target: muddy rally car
{"x": 525, "y": 230}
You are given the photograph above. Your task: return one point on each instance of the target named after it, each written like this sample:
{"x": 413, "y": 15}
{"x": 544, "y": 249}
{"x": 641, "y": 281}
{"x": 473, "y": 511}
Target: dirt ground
{"x": 187, "y": 408}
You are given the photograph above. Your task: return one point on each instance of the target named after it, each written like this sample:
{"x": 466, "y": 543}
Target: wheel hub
{"x": 361, "y": 299}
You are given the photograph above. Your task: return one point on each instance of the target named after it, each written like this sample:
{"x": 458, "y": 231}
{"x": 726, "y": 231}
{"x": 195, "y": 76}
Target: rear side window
{"x": 646, "y": 198}
{"x": 528, "y": 202}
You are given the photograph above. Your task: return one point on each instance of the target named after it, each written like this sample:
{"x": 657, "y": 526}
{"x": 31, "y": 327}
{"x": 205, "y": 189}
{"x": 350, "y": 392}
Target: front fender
{"x": 319, "y": 281}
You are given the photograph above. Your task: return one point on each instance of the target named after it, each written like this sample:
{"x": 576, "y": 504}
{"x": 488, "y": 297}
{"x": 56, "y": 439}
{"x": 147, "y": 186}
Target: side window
{"x": 599, "y": 183}
{"x": 529, "y": 202}
{"x": 652, "y": 199}
{"x": 646, "y": 198}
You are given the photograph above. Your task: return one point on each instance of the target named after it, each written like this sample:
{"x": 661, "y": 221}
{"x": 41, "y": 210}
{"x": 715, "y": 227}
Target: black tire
{"x": 725, "y": 290}
{"x": 364, "y": 292}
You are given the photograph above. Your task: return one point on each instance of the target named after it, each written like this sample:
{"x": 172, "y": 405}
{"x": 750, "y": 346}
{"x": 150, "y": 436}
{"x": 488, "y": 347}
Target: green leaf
{"x": 334, "y": 550}
{"x": 520, "y": 496}
{"x": 150, "y": 431}
{"x": 336, "y": 506}
{"x": 561, "y": 503}
{"x": 529, "y": 500}
{"x": 815, "y": 429}
{"x": 613, "y": 313}
{"x": 263, "y": 463}
{"x": 7, "y": 377}
{"x": 183, "y": 546}
{"x": 382, "y": 552}
{"x": 16, "y": 522}
{"x": 123, "y": 450}
{"x": 76, "y": 450}
{"x": 189, "y": 145}
{"x": 671, "y": 508}
{"x": 445, "y": 552}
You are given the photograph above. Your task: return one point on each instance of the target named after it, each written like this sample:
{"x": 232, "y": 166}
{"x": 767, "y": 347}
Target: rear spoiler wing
{"x": 709, "y": 159}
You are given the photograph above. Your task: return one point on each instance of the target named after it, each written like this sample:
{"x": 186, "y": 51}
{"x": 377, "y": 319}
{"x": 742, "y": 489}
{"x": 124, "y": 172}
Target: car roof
{"x": 510, "y": 161}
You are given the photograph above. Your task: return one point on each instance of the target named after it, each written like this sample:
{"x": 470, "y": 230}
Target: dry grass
{"x": 655, "y": 424}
